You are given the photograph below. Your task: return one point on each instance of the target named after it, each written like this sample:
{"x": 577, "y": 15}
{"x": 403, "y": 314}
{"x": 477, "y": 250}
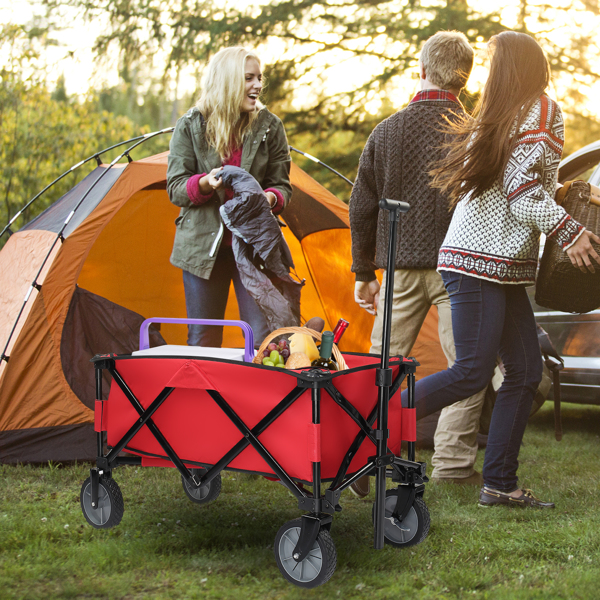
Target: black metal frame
{"x": 411, "y": 475}
{"x": 319, "y": 504}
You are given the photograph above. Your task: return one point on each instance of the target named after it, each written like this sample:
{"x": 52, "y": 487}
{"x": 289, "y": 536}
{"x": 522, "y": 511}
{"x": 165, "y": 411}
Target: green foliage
{"x": 314, "y": 35}
{"x": 378, "y": 40}
{"x": 150, "y": 110}
{"x": 580, "y": 131}
{"x": 43, "y": 134}
{"x": 41, "y": 139}
{"x": 168, "y": 547}
{"x": 159, "y": 40}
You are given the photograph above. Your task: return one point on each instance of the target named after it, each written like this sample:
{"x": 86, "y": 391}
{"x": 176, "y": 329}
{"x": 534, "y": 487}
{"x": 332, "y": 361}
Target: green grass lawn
{"x": 167, "y": 547}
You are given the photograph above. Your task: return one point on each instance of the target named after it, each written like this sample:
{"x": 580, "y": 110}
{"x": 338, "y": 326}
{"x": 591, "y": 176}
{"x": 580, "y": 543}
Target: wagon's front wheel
{"x": 205, "y": 493}
{"x": 319, "y": 565}
{"x": 110, "y": 508}
{"x": 412, "y": 530}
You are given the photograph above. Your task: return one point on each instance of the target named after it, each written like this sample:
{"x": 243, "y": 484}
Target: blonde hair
{"x": 448, "y": 59}
{"x": 223, "y": 91}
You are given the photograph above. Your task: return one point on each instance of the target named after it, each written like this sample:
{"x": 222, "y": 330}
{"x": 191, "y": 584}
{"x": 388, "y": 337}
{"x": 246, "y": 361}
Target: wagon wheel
{"x": 109, "y": 511}
{"x": 412, "y": 530}
{"x": 317, "y": 568}
{"x": 205, "y": 493}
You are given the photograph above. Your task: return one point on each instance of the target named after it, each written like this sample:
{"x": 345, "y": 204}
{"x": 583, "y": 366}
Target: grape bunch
{"x": 275, "y": 355}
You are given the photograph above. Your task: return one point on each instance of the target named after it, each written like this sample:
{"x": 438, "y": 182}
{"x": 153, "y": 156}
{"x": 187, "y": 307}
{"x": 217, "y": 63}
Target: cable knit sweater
{"x": 496, "y": 236}
{"x": 395, "y": 164}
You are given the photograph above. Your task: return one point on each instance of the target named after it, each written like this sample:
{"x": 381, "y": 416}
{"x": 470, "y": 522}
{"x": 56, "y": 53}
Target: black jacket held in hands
{"x": 261, "y": 253}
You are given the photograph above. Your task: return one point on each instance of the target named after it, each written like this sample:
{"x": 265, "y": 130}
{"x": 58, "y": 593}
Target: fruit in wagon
{"x": 284, "y": 348}
{"x": 273, "y": 359}
{"x": 300, "y": 342}
{"x": 297, "y": 360}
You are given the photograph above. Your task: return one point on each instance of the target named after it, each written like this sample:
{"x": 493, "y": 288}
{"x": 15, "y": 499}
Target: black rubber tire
{"x": 110, "y": 509}
{"x": 204, "y": 494}
{"x": 413, "y": 529}
{"x": 317, "y": 568}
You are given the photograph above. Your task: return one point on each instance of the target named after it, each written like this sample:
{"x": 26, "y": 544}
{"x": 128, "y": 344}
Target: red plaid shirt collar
{"x": 433, "y": 95}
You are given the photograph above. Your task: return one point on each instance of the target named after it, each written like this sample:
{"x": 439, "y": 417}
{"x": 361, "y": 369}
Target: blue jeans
{"x": 489, "y": 319}
{"x": 207, "y": 299}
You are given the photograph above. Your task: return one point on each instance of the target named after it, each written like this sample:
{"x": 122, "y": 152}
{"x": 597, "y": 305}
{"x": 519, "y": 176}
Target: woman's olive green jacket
{"x": 199, "y": 231}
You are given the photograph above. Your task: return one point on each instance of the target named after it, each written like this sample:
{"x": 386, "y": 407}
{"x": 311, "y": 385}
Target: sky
{"x": 74, "y": 58}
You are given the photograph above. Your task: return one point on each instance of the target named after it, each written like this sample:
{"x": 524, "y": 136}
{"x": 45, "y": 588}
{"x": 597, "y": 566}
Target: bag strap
{"x": 561, "y": 192}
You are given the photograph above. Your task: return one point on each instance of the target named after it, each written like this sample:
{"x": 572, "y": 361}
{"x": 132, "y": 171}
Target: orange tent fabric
{"x": 109, "y": 269}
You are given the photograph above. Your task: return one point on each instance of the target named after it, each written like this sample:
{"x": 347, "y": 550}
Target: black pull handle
{"x": 386, "y": 204}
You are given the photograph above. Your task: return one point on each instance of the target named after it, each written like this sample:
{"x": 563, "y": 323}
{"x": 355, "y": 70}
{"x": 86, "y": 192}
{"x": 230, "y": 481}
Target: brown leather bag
{"x": 560, "y": 285}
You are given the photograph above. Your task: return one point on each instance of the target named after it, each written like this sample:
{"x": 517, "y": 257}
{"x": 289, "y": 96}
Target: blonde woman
{"x": 228, "y": 126}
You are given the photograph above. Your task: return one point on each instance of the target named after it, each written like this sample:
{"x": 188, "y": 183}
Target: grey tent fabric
{"x": 262, "y": 256}
{"x": 84, "y": 197}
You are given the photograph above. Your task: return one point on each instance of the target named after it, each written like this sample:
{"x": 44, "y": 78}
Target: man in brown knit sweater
{"x": 395, "y": 164}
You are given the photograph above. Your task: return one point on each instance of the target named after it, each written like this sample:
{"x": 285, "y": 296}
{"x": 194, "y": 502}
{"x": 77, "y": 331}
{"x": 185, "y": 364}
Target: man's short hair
{"x": 448, "y": 59}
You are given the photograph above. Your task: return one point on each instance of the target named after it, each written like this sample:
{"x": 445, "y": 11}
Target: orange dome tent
{"x": 96, "y": 263}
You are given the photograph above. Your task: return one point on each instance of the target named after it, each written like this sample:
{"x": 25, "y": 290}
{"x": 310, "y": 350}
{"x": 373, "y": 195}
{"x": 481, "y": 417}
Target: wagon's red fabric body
{"x": 200, "y": 432}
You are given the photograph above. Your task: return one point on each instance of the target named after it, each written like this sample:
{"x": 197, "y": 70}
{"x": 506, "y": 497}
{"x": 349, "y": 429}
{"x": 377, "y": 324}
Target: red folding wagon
{"x": 303, "y": 427}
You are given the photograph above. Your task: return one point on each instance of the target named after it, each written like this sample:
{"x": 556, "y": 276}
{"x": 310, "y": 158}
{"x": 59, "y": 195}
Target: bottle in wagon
{"x": 339, "y": 330}
{"x": 324, "y": 361}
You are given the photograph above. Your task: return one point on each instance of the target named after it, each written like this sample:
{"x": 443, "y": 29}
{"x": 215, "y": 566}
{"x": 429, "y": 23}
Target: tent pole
{"x": 315, "y": 159}
{"x": 96, "y": 156}
{"x": 60, "y": 237}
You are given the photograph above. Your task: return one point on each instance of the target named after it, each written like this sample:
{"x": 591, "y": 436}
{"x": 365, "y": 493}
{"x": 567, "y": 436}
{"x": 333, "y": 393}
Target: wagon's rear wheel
{"x": 412, "y": 530}
{"x": 319, "y": 565}
{"x": 110, "y": 508}
{"x": 205, "y": 493}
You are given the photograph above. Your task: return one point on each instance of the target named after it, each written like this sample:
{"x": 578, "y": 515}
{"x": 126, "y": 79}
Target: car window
{"x": 593, "y": 173}
{"x": 582, "y": 340}
{"x": 582, "y": 164}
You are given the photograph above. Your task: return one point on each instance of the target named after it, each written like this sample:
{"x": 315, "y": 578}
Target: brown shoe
{"x": 490, "y": 497}
{"x": 361, "y": 487}
{"x": 474, "y": 479}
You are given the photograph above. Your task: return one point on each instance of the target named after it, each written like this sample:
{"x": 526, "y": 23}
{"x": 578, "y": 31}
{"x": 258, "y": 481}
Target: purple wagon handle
{"x": 248, "y": 333}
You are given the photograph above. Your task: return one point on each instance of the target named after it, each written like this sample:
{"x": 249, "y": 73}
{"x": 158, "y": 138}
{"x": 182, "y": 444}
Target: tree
{"x": 43, "y": 136}
{"x": 306, "y": 41}
{"x": 567, "y": 32}
{"x": 378, "y": 40}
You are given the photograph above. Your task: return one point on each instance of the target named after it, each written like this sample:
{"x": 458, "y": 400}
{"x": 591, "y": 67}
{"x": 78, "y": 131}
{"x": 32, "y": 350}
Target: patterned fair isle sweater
{"x": 496, "y": 236}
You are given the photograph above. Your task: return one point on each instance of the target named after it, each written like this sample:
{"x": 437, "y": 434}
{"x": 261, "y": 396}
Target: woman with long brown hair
{"x": 501, "y": 175}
